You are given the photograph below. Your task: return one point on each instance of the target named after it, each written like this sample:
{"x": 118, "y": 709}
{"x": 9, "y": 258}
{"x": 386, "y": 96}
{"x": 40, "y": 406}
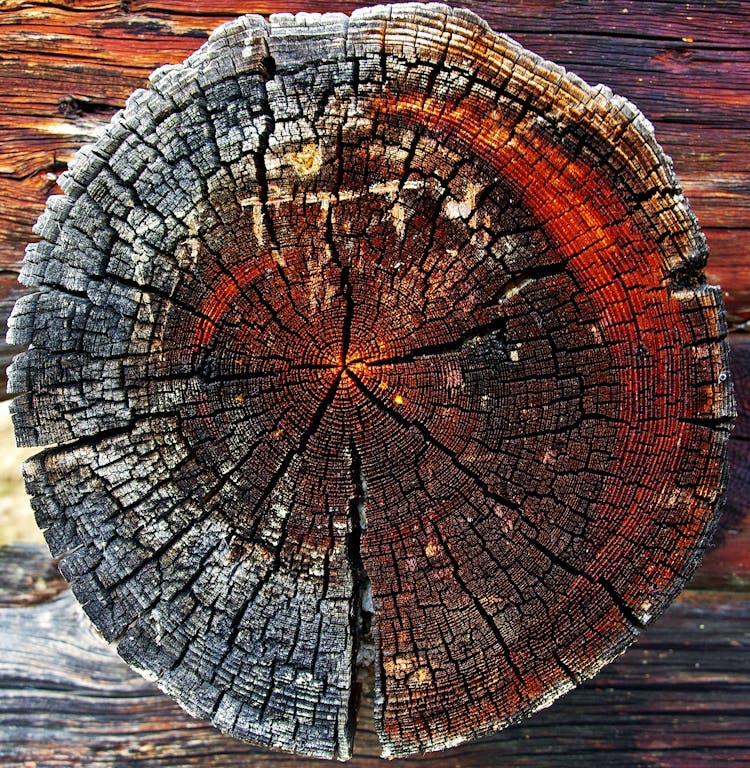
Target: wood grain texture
{"x": 677, "y": 699}
{"x": 371, "y": 339}
{"x": 66, "y": 67}
{"x": 728, "y": 564}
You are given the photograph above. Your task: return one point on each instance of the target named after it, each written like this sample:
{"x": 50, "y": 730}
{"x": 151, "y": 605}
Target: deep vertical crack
{"x": 362, "y": 609}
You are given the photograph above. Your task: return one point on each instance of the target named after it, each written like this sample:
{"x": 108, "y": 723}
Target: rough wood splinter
{"x": 371, "y": 340}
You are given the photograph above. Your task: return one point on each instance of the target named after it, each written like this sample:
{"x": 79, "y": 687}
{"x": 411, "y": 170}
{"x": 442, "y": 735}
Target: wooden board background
{"x": 682, "y": 696}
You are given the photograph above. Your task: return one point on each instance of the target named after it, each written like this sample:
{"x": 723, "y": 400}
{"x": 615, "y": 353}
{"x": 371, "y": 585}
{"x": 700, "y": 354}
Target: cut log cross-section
{"x": 371, "y": 340}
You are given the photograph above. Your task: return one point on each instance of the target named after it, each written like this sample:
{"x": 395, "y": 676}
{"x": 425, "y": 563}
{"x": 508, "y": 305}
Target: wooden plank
{"x": 730, "y": 270}
{"x": 680, "y": 697}
{"x": 728, "y": 564}
{"x": 28, "y": 576}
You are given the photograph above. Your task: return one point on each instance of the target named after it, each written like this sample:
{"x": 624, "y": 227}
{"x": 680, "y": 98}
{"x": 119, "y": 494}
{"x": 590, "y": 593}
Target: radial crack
{"x": 361, "y": 615}
{"x": 496, "y": 326}
{"x": 482, "y": 611}
{"x": 523, "y": 279}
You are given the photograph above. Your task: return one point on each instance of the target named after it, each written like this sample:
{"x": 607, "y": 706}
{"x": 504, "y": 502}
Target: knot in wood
{"x": 371, "y": 339}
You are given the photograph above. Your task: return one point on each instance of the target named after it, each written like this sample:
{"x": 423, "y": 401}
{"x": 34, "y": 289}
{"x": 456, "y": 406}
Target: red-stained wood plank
{"x": 728, "y": 564}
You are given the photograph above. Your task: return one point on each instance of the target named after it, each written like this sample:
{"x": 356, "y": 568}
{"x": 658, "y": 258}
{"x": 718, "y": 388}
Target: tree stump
{"x": 371, "y": 340}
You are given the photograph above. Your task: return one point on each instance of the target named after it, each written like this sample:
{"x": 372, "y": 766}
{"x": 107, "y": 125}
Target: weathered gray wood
{"x": 678, "y": 698}
{"x": 28, "y": 576}
{"x": 381, "y": 317}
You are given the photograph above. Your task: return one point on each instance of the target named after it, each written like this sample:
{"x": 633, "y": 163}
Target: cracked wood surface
{"x": 677, "y": 699}
{"x": 474, "y": 441}
{"x": 65, "y": 68}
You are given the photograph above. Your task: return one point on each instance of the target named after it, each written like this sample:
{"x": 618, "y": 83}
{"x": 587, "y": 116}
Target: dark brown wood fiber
{"x": 373, "y": 343}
